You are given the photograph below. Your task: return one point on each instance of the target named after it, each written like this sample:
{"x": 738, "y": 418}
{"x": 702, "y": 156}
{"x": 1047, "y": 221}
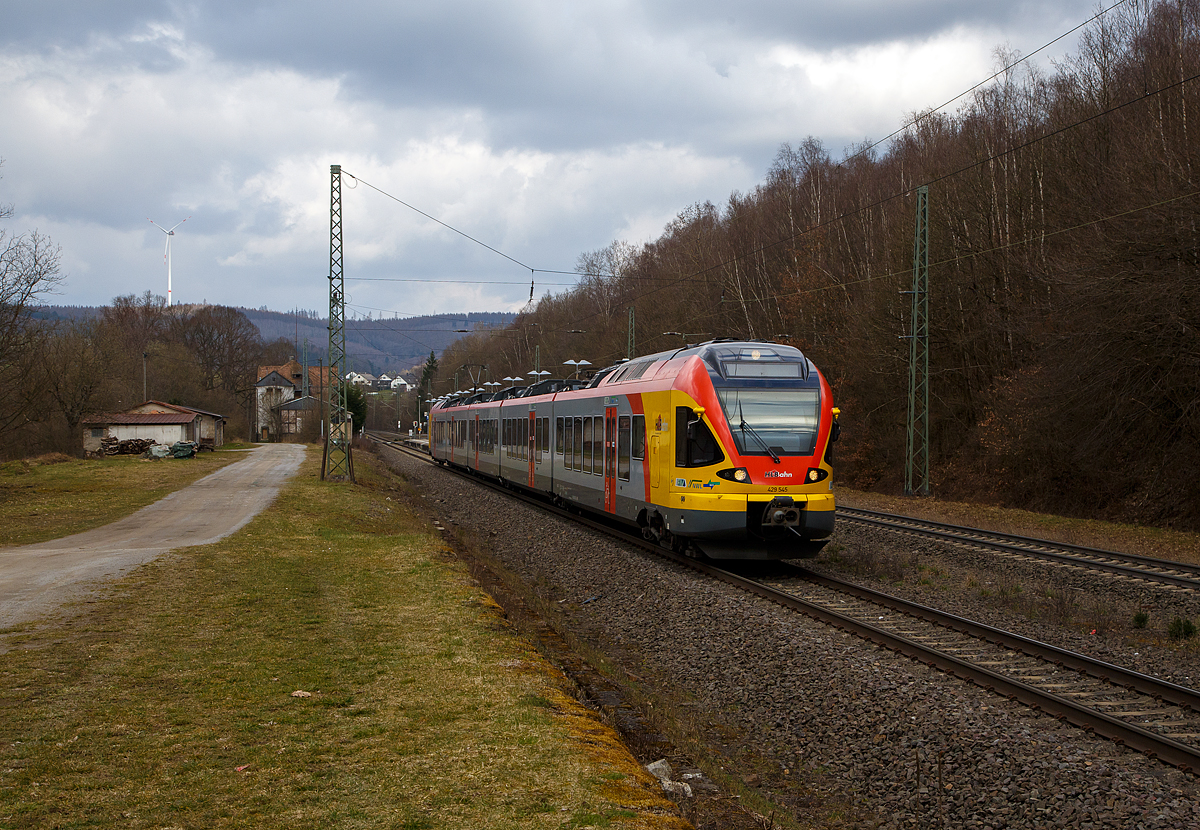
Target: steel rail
{"x": 1108, "y": 672}
{"x": 979, "y": 538}
{"x": 1165, "y": 749}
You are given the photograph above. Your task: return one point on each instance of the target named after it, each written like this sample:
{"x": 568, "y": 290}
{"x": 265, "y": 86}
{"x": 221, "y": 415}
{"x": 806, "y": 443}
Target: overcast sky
{"x": 544, "y": 129}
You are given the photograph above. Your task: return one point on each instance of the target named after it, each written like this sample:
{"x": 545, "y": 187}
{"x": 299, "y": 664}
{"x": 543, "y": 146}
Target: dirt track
{"x": 36, "y": 579}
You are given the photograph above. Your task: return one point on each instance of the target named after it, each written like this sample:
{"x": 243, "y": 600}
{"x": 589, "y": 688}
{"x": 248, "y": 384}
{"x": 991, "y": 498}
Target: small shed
{"x": 156, "y": 421}
{"x": 212, "y": 427}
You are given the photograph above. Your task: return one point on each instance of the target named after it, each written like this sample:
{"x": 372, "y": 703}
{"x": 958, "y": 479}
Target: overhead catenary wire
{"x": 931, "y": 112}
{"x": 534, "y": 270}
{"x": 695, "y": 275}
{"x": 691, "y": 277}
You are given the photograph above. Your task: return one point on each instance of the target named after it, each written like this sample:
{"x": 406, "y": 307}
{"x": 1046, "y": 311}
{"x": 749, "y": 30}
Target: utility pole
{"x": 337, "y": 463}
{"x": 916, "y": 468}
{"x": 145, "y": 394}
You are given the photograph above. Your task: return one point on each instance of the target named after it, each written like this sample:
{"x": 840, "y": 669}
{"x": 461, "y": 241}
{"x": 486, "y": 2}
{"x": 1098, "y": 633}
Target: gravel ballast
{"x": 831, "y": 729}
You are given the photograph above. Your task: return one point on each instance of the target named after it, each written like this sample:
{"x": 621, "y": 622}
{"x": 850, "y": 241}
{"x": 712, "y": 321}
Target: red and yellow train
{"x": 724, "y": 449}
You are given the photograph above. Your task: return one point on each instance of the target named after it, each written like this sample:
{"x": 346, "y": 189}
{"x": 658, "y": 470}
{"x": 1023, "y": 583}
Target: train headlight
{"x": 816, "y": 474}
{"x": 739, "y": 474}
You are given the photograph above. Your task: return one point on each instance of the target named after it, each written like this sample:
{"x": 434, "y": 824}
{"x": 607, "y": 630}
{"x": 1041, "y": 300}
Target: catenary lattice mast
{"x": 916, "y": 471}
{"x": 337, "y": 464}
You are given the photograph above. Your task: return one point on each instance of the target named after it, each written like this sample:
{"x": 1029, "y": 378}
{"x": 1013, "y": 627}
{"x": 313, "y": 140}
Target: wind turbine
{"x": 167, "y": 252}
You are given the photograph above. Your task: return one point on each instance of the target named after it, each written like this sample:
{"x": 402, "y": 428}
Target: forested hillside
{"x": 1064, "y": 281}
{"x": 385, "y": 344}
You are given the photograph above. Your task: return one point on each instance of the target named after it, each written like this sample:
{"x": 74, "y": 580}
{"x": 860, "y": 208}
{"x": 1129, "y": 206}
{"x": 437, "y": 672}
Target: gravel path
{"x": 896, "y": 743}
{"x": 37, "y": 579}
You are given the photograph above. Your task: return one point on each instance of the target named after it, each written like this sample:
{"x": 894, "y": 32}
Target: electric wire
{"x": 930, "y": 113}
{"x": 905, "y": 127}
{"x": 693, "y": 276}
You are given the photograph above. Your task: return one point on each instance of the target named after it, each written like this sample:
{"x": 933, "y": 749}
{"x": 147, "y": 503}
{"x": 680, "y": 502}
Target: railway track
{"x": 1159, "y": 571}
{"x": 1142, "y": 712}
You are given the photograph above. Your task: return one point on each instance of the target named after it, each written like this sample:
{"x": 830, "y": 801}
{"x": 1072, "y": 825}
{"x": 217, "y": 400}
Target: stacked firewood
{"x": 131, "y": 446}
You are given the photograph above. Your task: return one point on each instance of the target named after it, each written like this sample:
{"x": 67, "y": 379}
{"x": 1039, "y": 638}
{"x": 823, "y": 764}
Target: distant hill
{"x": 377, "y": 345}
{"x": 389, "y": 344}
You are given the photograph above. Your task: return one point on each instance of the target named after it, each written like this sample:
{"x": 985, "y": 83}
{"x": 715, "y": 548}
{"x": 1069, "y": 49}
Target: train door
{"x": 532, "y": 444}
{"x": 655, "y": 452}
{"x": 610, "y": 459}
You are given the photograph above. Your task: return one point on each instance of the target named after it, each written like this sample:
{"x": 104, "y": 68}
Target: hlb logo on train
{"x": 777, "y": 474}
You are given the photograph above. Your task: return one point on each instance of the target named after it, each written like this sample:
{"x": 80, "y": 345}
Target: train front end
{"x": 754, "y": 428}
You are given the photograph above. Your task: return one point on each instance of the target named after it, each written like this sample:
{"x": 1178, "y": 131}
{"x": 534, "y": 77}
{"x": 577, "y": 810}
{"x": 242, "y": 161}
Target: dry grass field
{"x": 328, "y": 666}
{"x": 56, "y": 495}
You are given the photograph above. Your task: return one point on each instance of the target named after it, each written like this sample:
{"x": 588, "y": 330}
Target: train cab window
{"x": 577, "y": 462}
{"x": 623, "y": 436}
{"x": 695, "y": 445}
{"x": 558, "y": 436}
{"x": 638, "y": 448}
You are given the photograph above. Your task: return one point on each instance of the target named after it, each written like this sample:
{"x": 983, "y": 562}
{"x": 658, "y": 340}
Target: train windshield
{"x": 772, "y": 421}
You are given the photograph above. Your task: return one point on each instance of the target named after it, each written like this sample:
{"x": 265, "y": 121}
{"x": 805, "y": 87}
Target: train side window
{"x": 568, "y": 436}
{"x": 587, "y": 445}
{"x": 638, "y": 449}
{"x": 599, "y": 447}
{"x": 559, "y": 444}
{"x": 623, "y": 436}
{"x": 577, "y": 463}
{"x": 695, "y": 445}
{"x": 545, "y": 423}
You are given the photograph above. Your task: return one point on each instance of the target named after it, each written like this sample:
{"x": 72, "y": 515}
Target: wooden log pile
{"x": 131, "y": 446}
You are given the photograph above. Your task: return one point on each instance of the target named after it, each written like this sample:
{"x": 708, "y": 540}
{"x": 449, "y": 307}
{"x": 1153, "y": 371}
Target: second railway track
{"x": 1159, "y": 571}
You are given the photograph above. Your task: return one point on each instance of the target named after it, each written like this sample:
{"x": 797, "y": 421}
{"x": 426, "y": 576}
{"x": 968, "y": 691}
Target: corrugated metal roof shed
{"x": 142, "y": 418}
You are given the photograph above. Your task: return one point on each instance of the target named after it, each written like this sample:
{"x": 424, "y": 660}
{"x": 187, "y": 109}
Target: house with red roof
{"x": 163, "y": 423}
